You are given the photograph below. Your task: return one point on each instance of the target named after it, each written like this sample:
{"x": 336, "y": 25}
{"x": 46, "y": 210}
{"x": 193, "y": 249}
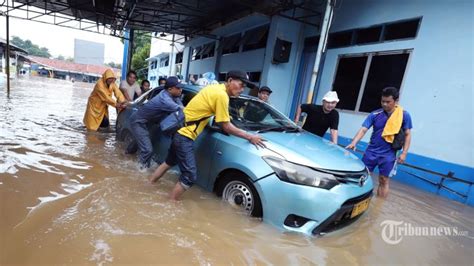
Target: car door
{"x": 204, "y": 148}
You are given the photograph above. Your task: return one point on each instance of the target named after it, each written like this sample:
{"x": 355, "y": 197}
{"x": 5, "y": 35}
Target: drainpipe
{"x": 321, "y": 47}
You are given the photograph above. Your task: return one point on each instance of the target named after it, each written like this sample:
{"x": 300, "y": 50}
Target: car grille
{"x": 352, "y": 177}
{"x": 342, "y": 217}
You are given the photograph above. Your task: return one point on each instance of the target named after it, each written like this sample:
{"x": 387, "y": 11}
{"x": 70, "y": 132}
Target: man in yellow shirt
{"x": 213, "y": 100}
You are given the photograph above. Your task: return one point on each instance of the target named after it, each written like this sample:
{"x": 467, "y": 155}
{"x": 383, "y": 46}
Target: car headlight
{"x": 300, "y": 174}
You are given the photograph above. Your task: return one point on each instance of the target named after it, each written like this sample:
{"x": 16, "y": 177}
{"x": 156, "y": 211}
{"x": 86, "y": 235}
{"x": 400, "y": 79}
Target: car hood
{"x": 308, "y": 149}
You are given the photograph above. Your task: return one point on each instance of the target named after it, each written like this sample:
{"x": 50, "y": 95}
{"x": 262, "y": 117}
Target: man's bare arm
{"x": 360, "y": 134}
{"x": 256, "y": 140}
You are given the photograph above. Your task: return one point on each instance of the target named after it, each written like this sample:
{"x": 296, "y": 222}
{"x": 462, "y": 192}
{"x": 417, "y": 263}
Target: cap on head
{"x": 331, "y": 96}
{"x": 237, "y": 74}
{"x": 265, "y": 88}
{"x": 173, "y": 82}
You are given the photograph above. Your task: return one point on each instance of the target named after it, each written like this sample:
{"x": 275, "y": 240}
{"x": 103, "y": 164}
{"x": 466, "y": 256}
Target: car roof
{"x": 196, "y": 89}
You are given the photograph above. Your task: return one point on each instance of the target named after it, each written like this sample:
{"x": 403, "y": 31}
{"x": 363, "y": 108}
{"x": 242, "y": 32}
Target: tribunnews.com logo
{"x": 394, "y": 231}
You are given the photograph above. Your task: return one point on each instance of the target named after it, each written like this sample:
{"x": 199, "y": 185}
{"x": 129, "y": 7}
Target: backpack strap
{"x": 196, "y": 123}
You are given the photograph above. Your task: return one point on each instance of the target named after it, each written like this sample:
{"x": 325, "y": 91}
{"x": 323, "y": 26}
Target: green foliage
{"x": 140, "y": 52}
{"x": 31, "y": 48}
{"x": 114, "y": 65}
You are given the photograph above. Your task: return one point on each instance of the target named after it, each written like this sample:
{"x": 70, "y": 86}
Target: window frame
{"x": 382, "y": 38}
{"x": 208, "y": 50}
{"x": 366, "y": 74}
{"x": 229, "y": 38}
{"x": 385, "y": 25}
{"x": 153, "y": 64}
{"x": 196, "y": 53}
{"x": 250, "y": 33}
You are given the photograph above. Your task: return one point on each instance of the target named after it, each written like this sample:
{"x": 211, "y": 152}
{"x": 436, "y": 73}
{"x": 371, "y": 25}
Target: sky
{"x": 60, "y": 40}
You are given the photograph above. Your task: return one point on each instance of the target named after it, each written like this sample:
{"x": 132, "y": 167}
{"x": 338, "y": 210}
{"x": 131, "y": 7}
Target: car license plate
{"x": 360, "y": 207}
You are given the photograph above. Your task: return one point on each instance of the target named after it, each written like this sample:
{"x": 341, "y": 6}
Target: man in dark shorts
{"x": 380, "y": 152}
{"x": 321, "y": 117}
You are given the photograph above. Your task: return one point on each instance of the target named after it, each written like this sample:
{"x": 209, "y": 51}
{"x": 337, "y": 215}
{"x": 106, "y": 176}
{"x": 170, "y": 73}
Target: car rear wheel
{"x": 130, "y": 143}
{"x": 237, "y": 190}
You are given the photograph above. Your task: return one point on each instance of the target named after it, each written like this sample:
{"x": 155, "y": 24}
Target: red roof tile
{"x": 62, "y": 65}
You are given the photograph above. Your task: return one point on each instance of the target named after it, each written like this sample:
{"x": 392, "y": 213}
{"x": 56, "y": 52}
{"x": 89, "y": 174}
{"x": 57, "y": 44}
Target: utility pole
{"x": 7, "y": 67}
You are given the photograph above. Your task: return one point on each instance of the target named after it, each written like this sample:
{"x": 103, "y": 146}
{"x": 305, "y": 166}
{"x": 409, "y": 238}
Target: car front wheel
{"x": 237, "y": 190}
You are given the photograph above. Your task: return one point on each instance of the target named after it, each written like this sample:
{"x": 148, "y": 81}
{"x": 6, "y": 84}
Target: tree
{"x": 138, "y": 61}
{"x": 30, "y": 47}
{"x": 114, "y": 65}
{"x": 140, "y": 52}
{"x": 60, "y": 57}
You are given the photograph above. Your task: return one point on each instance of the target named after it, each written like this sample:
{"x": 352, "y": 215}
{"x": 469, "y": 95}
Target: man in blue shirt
{"x": 167, "y": 101}
{"x": 379, "y": 152}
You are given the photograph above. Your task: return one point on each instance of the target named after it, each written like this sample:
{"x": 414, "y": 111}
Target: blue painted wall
{"x": 202, "y": 65}
{"x": 282, "y": 77}
{"x": 249, "y": 61}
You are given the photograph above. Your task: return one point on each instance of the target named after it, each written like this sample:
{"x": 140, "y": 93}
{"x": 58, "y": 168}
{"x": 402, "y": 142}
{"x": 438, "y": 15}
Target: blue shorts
{"x": 181, "y": 152}
{"x": 386, "y": 163}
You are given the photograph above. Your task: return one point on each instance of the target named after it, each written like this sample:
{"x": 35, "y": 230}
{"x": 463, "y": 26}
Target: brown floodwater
{"x": 68, "y": 196}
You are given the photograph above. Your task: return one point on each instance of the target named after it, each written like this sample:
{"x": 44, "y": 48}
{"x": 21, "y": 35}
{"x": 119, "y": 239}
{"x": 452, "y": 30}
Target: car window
{"x": 187, "y": 96}
{"x": 251, "y": 114}
{"x": 147, "y": 96}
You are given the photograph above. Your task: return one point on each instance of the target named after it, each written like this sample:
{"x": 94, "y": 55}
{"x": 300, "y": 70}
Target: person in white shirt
{"x": 129, "y": 86}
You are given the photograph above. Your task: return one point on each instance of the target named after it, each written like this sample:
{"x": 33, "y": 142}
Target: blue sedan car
{"x": 300, "y": 182}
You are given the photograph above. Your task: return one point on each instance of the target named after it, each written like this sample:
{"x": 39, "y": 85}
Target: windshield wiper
{"x": 279, "y": 129}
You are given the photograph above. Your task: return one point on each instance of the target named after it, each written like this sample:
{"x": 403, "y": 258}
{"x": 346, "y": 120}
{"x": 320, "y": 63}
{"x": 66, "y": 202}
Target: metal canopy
{"x": 188, "y": 18}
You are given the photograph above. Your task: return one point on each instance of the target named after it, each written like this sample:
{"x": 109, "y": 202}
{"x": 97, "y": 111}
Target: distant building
{"x": 164, "y": 62}
{"x": 158, "y": 67}
{"x": 15, "y": 59}
{"x": 61, "y": 69}
{"x": 87, "y": 52}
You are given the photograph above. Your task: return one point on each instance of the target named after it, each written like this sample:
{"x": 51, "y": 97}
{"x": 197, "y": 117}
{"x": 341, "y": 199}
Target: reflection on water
{"x": 68, "y": 196}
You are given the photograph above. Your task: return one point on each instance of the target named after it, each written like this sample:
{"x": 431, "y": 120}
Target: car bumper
{"x": 310, "y": 210}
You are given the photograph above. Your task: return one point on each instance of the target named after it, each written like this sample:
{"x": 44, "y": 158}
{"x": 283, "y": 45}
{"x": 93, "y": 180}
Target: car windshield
{"x": 251, "y": 114}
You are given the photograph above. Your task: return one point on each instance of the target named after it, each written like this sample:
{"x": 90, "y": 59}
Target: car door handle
{"x": 219, "y": 152}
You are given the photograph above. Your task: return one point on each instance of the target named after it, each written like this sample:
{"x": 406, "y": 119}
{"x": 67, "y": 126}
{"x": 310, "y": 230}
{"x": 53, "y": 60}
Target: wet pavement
{"x": 69, "y": 196}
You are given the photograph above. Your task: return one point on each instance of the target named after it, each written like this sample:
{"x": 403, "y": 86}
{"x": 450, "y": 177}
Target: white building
{"x": 165, "y": 59}
{"x": 89, "y": 53}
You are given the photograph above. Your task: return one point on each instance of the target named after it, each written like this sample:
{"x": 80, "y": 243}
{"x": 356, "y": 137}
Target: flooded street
{"x": 68, "y": 196}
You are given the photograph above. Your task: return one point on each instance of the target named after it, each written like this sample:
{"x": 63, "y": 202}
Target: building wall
{"x": 159, "y": 46}
{"x": 281, "y": 77}
{"x": 155, "y": 70}
{"x": 87, "y": 52}
{"x": 249, "y": 61}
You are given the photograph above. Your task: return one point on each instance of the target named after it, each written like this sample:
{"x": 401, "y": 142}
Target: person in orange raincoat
{"x": 97, "y": 113}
